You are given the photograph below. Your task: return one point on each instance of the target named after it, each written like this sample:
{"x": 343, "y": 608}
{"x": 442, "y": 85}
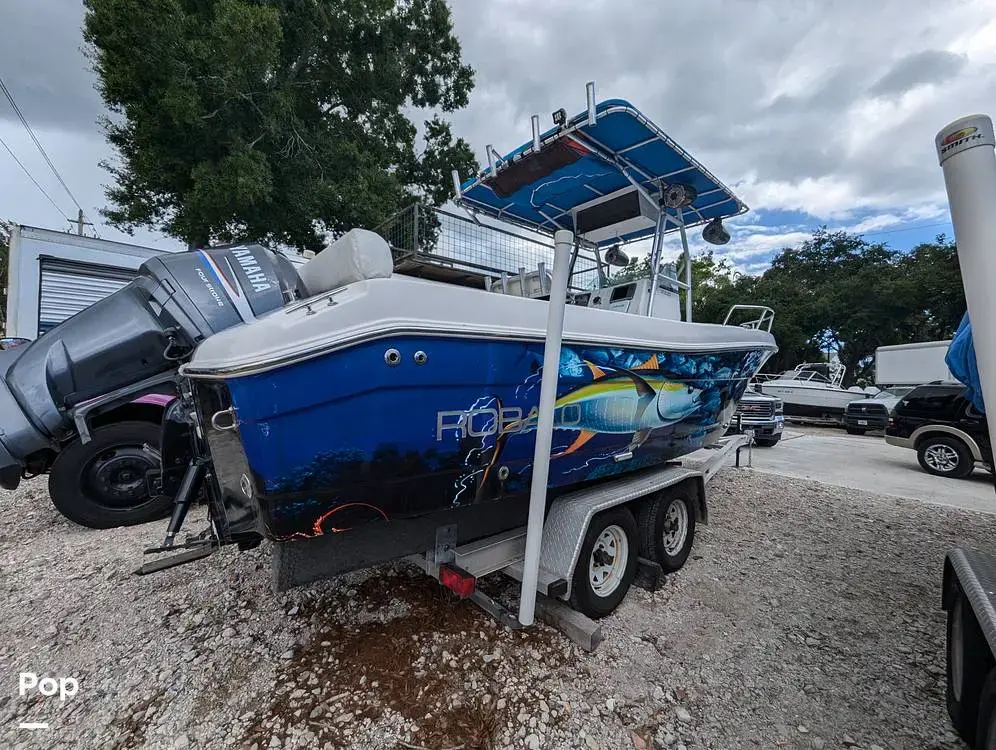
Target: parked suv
{"x": 949, "y": 435}
{"x": 872, "y": 413}
{"x": 761, "y": 413}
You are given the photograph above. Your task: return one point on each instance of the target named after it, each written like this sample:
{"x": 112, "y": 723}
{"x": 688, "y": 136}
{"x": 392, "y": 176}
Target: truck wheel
{"x": 667, "y": 528}
{"x": 945, "y": 457}
{"x": 967, "y": 666}
{"x": 855, "y": 430}
{"x": 607, "y": 564}
{"x": 985, "y": 735}
{"x": 102, "y": 484}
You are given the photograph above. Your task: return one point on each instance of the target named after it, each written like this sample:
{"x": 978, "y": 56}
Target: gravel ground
{"x": 807, "y": 617}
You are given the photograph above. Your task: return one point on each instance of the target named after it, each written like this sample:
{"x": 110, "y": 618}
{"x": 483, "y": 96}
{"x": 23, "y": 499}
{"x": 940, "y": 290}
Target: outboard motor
{"x": 141, "y": 331}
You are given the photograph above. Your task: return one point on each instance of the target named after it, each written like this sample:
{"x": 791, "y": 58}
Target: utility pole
{"x": 81, "y": 222}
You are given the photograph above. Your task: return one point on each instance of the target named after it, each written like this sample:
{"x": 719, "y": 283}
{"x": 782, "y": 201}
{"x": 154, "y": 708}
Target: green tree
{"x": 838, "y": 295}
{"x": 275, "y": 120}
{"x": 713, "y": 286}
{"x": 637, "y": 268}
{"x": 930, "y": 285}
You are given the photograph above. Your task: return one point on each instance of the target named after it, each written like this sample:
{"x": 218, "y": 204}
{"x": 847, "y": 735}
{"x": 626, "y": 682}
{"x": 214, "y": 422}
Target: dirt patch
{"x": 411, "y": 647}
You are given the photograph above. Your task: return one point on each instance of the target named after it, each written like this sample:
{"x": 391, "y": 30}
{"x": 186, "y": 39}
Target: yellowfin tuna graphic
{"x": 622, "y": 401}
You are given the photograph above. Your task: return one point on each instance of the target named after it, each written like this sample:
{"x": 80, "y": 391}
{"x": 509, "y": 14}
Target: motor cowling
{"x": 145, "y": 329}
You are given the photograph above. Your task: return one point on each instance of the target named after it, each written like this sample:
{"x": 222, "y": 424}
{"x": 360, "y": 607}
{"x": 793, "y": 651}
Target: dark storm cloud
{"x": 42, "y": 63}
{"x": 928, "y": 66}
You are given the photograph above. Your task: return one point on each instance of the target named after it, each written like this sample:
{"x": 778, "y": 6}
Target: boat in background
{"x": 382, "y": 408}
{"x": 812, "y": 390}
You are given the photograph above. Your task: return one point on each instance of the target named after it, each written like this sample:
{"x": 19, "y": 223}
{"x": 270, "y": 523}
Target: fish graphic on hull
{"x": 622, "y": 401}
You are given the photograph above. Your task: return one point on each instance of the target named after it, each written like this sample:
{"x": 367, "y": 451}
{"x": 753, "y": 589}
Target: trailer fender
{"x": 567, "y": 522}
{"x": 974, "y": 574}
{"x": 701, "y": 508}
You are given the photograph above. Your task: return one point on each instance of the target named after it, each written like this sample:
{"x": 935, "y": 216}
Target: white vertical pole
{"x": 536, "y": 132}
{"x": 655, "y": 259}
{"x": 965, "y": 150}
{"x": 563, "y": 242}
{"x": 456, "y": 184}
{"x": 688, "y": 267}
{"x": 589, "y": 90}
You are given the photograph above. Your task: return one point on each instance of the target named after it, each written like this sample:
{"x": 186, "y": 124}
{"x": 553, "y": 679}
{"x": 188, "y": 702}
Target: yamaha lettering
{"x": 257, "y": 277}
{"x": 253, "y": 271}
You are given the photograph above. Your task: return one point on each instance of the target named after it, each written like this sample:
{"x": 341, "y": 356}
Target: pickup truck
{"x": 872, "y": 413}
{"x": 761, "y": 413}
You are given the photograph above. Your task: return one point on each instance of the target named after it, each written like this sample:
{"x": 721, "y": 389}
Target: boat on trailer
{"x": 353, "y": 425}
{"x": 813, "y": 390}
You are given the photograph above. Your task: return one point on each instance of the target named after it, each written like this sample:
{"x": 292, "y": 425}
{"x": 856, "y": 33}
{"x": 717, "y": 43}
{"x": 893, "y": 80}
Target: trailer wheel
{"x": 985, "y": 735}
{"x": 607, "y": 564}
{"x": 102, "y": 484}
{"x": 966, "y": 667}
{"x": 667, "y": 528}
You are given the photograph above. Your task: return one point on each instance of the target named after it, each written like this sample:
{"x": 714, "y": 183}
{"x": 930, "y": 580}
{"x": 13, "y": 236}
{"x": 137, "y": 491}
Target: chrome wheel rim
{"x": 941, "y": 457}
{"x": 607, "y": 562}
{"x": 675, "y": 527}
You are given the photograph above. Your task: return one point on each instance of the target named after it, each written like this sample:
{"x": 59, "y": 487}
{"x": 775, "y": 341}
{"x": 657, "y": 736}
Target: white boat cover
{"x": 357, "y": 255}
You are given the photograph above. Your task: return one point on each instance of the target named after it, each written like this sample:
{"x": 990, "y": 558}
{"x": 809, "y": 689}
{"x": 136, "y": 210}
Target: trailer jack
{"x": 197, "y": 547}
{"x": 183, "y": 558}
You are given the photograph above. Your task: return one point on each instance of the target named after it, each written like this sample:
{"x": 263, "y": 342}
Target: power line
{"x": 41, "y": 149}
{"x": 910, "y": 229}
{"x": 31, "y": 177}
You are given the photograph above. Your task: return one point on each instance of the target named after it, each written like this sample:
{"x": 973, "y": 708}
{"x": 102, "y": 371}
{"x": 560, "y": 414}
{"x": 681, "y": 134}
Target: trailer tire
{"x": 966, "y": 668}
{"x": 985, "y": 733}
{"x": 607, "y": 564}
{"x": 101, "y": 484}
{"x": 667, "y": 528}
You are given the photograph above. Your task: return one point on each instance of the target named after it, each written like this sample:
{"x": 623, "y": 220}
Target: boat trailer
{"x": 565, "y": 530}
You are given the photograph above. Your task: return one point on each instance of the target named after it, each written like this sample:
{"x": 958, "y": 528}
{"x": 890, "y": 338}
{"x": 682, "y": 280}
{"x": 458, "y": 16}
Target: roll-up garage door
{"x": 68, "y": 287}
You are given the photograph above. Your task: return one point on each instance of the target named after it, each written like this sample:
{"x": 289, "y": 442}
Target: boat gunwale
{"x": 401, "y": 327}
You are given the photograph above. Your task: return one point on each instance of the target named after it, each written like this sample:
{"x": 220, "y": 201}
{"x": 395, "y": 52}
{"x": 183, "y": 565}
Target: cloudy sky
{"x": 816, "y": 113}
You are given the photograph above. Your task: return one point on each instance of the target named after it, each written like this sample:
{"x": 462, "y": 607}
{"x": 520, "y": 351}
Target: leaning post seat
{"x": 358, "y": 255}
{"x": 533, "y": 284}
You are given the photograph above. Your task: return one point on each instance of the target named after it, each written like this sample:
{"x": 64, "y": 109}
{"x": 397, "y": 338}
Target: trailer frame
{"x": 565, "y": 527}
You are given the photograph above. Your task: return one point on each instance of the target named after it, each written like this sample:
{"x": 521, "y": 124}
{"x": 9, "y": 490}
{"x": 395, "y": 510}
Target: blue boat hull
{"x": 350, "y": 437}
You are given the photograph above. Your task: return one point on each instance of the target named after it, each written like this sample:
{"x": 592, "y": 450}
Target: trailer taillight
{"x": 459, "y": 581}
